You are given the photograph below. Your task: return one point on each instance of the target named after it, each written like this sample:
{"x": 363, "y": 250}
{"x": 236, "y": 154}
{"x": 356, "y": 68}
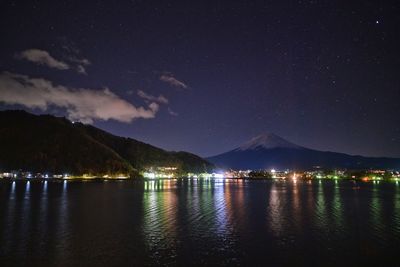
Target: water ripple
{"x": 183, "y": 222}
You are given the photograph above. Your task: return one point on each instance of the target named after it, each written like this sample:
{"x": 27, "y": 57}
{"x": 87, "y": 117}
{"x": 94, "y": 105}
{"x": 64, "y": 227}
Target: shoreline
{"x": 191, "y": 178}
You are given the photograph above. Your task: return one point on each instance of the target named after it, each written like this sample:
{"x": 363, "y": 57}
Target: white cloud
{"x": 42, "y": 57}
{"x": 81, "y": 104}
{"x": 80, "y": 61}
{"x": 172, "y": 113}
{"x": 171, "y": 80}
{"x": 81, "y": 69}
{"x": 159, "y": 99}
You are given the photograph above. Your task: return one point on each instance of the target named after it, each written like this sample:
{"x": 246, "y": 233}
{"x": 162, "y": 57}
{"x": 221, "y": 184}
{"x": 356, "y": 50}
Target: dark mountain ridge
{"x": 47, "y": 143}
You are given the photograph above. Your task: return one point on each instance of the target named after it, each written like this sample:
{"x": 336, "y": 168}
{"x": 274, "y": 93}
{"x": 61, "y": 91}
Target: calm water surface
{"x": 189, "y": 222}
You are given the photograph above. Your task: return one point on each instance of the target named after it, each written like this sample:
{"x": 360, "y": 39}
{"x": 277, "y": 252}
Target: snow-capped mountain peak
{"x": 267, "y": 141}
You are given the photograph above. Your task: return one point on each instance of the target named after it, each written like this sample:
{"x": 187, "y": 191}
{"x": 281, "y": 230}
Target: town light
{"x": 151, "y": 175}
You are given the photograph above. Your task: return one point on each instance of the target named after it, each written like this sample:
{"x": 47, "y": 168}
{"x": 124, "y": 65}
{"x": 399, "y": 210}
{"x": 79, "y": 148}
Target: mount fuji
{"x": 268, "y": 151}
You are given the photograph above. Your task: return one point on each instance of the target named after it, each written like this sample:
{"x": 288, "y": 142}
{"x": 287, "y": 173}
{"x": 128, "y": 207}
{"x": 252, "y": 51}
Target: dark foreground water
{"x": 189, "y": 222}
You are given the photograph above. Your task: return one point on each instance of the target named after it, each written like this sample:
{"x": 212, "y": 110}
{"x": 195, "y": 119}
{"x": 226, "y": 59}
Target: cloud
{"x": 82, "y": 64}
{"x": 160, "y": 99}
{"x": 80, "y": 61}
{"x": 171, "y": 80}
{"x": 81, "y": 104}
{"x": 81, "y": 69}
{"x": 173, "y": 113}
{"x": 68, "y": 45}
{"x": 42, "y": 57}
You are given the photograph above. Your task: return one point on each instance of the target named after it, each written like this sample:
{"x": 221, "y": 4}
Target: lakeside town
{"x": 169, "y": 172}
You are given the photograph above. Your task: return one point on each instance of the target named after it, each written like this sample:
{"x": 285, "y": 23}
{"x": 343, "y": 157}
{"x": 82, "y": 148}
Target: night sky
{"x": 205, "y": 76}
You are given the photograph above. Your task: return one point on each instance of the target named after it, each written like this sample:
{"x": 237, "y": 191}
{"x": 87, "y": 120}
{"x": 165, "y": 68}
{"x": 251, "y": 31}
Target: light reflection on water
{"x": 320, "y": 214}
{"x": 396, "y": 207}
{"x": 181, "y": 221}
{"x": 337, "y": 208}
{"x": 275, "y": 208}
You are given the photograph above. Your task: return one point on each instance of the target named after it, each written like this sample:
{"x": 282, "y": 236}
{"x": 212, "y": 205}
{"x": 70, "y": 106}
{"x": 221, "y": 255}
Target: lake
{"x": 199, "y": 222}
